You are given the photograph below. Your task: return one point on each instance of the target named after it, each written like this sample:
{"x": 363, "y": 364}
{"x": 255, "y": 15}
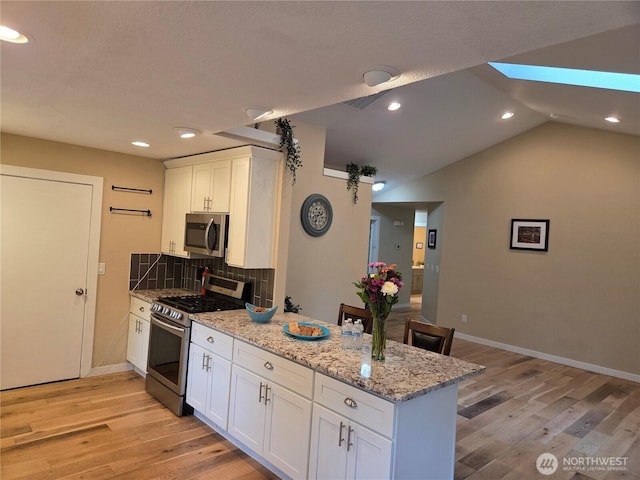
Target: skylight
{"x": 626, "y": 82}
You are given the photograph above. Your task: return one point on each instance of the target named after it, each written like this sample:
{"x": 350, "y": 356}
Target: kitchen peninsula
{"x": 399, "y": 423}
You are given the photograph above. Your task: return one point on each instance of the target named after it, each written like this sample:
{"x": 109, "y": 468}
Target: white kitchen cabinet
{"x": 211, "y": 185}
{"x": 176, "y": 204}
{"x": 255, "y": 183}
{"x": 138, "y": 337}
{"x": 267, "y": 417}
{"x": 342, "y": 449}
{"x": 209, "y": 373}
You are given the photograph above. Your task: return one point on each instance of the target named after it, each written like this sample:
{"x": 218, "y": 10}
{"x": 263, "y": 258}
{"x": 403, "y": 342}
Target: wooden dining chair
{"x": 348, "y": 311}
{"x": 430, "y": 337}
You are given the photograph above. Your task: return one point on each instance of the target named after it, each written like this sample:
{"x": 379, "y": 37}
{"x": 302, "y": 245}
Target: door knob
{"x": 79, "y": 291}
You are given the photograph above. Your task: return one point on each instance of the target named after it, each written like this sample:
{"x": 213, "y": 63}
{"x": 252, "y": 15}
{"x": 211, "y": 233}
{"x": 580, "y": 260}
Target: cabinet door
{"x": 144, "y": 327}
{"x": 246, "y": 408}
{"x": 218, "y": 393}
{"x": 287, "y": 429}
{"x": 211, "y": 186}
{"x": 238, "y": 210}
{"x": 176, "y": 204}
{"x": 369, "y": 454}
{"x": 133, "y": 341}
{"x": 197, "y": 378}
{"x": 327, "y": 457}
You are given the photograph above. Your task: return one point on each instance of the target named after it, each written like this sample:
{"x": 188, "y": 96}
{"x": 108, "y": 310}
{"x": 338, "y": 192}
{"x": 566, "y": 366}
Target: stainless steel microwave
{"x": 206, "y": 233}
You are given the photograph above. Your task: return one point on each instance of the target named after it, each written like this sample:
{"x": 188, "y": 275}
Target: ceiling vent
{"x": 363, "y": 102}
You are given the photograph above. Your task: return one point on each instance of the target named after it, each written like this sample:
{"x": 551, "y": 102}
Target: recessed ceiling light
{"x": 377, "y": 186}
{"x": 380, "y": 74}
{"x": 506, "y": 115}
{"x": 626, "y": 82}
{"x": 612, "y": 119}
{"x": 394, "y": 106}
{"x": 186, "y": 132}
{"x": 10, "y": 35}
{"x": 138, "y": 143}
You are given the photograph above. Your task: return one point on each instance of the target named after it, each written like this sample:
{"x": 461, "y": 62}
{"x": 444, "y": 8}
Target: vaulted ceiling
{"x": 102, "y": 74}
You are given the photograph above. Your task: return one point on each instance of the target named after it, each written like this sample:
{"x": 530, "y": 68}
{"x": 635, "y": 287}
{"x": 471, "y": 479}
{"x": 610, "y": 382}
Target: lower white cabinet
{"x": 342, "y": 449}
{"x": 209, "y": 373}
{"x": 138, "y": 337}
{"x": 270, "y": 419}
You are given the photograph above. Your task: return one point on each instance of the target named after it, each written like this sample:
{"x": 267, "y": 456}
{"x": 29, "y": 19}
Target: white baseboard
{"x": 552, "y": 358}
{"x": 107, "y": 369}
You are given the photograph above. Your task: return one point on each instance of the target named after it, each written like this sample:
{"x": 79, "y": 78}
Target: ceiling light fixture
{"x": 380, "y": 74}
{"x": 393, "y": 106}
{"x": 506, "y": 115}
{"x": 256, "y": 113}
{"x": 377, "y": 186}
{"x": 139, "y": 143}
{"x": 10, "y": 35}
{"x": 186, "y": 132}
{"x": 612, "y": 119}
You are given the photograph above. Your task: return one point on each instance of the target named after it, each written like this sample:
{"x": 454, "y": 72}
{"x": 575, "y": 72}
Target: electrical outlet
{"x": 464, "y": 318}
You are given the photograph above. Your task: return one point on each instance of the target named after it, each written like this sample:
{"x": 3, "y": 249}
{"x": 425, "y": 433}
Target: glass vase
{"x": 379, "y": 338}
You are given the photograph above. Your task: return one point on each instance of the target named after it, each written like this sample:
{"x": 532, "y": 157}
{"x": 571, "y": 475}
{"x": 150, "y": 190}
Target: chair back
{"x": 430, "y": 337}
{"x": 348, "y": 311}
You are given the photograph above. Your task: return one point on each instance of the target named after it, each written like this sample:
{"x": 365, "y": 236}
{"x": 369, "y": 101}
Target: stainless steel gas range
{"x": 171, "y": 332}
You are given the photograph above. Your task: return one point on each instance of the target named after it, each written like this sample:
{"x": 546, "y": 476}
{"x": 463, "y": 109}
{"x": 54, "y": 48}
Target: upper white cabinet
{"x": 176, "y": 204}
{"x": 245, "y": 182}
{"x": 211, "y": 186}
{"x": 253, "y": 210}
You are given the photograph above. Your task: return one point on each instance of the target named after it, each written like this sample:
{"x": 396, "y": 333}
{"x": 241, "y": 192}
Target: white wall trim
{"x": 107, "y": 369}
{"x": 552, "y": 358}
{"x": 96, "y": 183}
{"x": 329, "y": 172}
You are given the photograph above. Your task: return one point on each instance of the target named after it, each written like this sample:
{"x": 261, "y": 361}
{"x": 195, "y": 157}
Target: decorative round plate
{"x": 316, "y": 215}
{"x": 325, "y": 331}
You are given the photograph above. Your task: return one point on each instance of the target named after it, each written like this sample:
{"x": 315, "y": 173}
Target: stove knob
{"x": 165, "y": 310}
{"x": 179, "y": 316}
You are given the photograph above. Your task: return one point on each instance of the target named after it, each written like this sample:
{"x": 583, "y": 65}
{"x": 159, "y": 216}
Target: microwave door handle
{"x": 206, "y": 236}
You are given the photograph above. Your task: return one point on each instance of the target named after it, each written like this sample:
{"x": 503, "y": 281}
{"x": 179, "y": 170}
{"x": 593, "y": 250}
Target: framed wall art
{"x": 431, "y": 238}
{"x": 530, "y": 235}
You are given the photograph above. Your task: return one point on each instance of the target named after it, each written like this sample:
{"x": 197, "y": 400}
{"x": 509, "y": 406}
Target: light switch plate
{"x": 101, "y": 268}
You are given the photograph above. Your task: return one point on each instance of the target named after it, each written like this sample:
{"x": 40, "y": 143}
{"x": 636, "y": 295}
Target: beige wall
{"x": 419, "y": 236}
{"x": 320, "y": 270}
{"x": 120, "y": 236}
{"x": 581, "y": 299}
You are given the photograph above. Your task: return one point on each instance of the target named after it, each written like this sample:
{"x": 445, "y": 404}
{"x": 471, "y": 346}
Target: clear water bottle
{"x": 345, "y": 332}
{"x": 365, "y": 362}
{"x": 356, "y": 340}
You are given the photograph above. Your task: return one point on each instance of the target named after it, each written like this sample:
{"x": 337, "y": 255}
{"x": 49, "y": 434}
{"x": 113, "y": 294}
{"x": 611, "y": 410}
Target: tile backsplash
{"x": 149, "y": 271}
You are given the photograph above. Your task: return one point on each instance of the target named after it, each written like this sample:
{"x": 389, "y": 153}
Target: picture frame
{"x": 432, "y": 234}
{"x": 529, "y": 235}
{"x": 419, "y": 245}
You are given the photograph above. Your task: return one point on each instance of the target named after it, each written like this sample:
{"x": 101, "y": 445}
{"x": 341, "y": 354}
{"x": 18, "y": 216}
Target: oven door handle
{"x": 163, "y": 324}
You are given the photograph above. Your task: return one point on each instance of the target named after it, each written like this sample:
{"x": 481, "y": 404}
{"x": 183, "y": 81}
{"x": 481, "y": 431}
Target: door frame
{"x": 96, "y": 184}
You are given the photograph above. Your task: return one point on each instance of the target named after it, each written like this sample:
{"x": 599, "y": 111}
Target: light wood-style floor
{"x": 521, "y": 407}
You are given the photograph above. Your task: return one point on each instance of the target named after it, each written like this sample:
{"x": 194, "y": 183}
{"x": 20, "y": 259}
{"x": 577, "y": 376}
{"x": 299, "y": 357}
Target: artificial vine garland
{"x": 355, "y": 172}
{"x": 290, "y": 145}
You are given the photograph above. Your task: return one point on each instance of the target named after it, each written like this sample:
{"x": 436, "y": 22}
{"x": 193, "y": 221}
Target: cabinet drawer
{"x": 212, "y": 340}
{"x": 140, "y": 308}
{"x": 289, "y": 374}
{"x": 357, "y": 405}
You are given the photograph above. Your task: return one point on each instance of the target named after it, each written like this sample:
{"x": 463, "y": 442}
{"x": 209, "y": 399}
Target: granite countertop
{"x": 152, "y": 295}
{"x": 407, "y": 372}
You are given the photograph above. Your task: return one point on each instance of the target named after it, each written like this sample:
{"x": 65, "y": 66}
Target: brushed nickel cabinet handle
{"x": 266, "y": 393}
{"x": 210, "y": 339}
{"x": 141, "y": 309}
{"x": 260, "y": 397}
{"x": 268, "y": 365}
{"x": 349, "y": 444}
{"x": 350, "y": 402}
{"x": 340, "y": 437}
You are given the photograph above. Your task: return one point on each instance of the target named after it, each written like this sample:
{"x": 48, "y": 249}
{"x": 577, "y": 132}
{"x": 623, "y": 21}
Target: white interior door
{"x": 45, "y": 233}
